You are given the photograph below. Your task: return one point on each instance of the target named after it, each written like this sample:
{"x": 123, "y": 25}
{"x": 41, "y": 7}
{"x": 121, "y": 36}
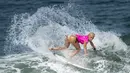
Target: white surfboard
{"x": 67, "y": 62}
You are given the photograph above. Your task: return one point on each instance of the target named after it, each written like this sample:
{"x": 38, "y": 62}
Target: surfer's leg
{"x": 77, "y": 46}
{"x": 66, "y": 45}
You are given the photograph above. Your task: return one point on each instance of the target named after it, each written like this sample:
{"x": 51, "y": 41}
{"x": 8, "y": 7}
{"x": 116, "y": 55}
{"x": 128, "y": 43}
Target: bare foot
{"x": 51, "y": 48}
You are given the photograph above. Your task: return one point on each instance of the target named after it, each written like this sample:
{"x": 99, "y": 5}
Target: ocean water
{"x": 29, "y": 28}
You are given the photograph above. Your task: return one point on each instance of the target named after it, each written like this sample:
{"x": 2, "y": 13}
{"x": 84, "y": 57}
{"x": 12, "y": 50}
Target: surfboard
{"x": 64, "y": 60}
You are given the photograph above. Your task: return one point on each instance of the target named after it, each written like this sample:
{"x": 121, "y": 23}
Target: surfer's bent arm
{"x": 85, "y": 48}
{"x": 92, "y": 45}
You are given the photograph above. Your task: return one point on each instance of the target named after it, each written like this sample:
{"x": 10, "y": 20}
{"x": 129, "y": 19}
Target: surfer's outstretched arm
{"x": 94, "y": 48}
{"x": 85, "y": 48}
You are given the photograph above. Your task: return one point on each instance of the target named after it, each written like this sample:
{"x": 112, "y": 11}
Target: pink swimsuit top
{"x": 82, "y": 38}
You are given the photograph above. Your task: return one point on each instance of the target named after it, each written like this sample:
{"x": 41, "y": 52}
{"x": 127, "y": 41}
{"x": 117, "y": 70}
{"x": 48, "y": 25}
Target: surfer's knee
{"x": 65, "y": 47}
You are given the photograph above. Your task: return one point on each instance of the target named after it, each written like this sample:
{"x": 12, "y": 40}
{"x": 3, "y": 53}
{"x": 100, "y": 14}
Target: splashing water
{"x": 48, "y": 27}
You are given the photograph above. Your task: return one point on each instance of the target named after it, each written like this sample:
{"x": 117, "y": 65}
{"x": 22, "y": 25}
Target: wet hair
{"x": 91, "y": 33}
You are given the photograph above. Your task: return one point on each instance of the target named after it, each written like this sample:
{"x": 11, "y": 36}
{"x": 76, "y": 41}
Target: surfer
{"x": 75, "y": 40}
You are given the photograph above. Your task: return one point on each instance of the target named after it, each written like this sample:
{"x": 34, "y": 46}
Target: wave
{"x": 47, "y": 28}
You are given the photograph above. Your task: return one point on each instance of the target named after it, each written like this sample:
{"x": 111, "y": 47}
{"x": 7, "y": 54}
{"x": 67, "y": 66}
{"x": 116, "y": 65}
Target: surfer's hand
{"x": 94, "y": 49}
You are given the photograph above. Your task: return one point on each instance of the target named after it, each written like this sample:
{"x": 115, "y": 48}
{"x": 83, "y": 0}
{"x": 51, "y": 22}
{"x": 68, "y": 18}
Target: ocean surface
{"x": 29, "y": 27}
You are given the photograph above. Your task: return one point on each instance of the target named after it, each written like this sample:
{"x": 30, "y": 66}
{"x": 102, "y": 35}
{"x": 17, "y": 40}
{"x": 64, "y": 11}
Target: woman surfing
{"x": 75, "y": 40}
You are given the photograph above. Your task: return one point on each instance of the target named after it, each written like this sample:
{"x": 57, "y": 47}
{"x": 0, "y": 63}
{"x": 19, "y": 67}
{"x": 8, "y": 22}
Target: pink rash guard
{"x": 82, "y": 38}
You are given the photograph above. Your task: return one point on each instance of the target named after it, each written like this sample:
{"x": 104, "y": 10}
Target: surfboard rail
{"x": 64, "y": 60}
